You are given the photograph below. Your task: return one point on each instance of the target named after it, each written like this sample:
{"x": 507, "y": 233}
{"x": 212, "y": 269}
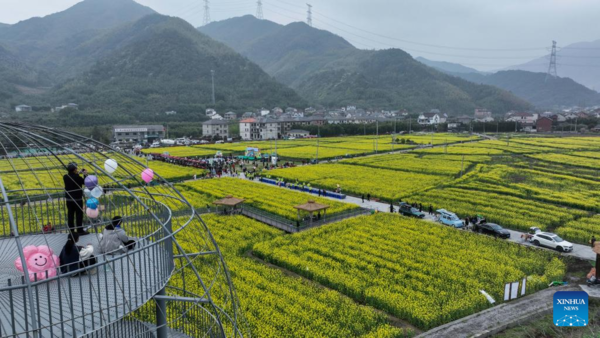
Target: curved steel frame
{"x": 50, "y": 149}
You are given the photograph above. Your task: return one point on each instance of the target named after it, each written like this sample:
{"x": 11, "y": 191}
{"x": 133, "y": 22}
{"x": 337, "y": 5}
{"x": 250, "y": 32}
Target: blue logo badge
{"x": 570, "y": 308}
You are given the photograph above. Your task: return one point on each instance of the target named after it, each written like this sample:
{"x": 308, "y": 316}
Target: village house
{"x": 22, "y": 108}
{"x": 215, "y": 128}
{"x": 431, "y": 118}
{"x": 230, "y": 116}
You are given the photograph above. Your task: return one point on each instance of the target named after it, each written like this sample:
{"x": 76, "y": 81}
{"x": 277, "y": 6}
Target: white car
{"x": 551, "y": 240}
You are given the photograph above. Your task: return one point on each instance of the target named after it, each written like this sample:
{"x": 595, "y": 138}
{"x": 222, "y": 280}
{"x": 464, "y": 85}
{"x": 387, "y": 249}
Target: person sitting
{"x": 69, "y": 255}
{"x": 114, "y": 239}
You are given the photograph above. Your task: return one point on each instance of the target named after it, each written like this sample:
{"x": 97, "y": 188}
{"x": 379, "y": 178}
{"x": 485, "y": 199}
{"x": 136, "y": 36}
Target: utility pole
{"x": 318, "y": 137}
{"x": 409, "y": 125}
{"x": 212, "y": 74}
{"x": 206, "y": 12}
{"x": 309, "y": 15}
{"x": 552, "y": 67}
{"x": 377, "y": 139}
{"x": 259, "y": 11}
{"x": 497, "y": 127}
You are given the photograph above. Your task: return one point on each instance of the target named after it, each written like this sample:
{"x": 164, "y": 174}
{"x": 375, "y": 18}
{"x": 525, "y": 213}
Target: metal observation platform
{"x": 173, "y": 283}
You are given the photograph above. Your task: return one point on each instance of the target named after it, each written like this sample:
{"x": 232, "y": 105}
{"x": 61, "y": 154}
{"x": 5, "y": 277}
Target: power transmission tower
{"x": 552, "y": 67}
{"x": 206, "y": 12}
{"x": 309, "y": 17}
{"x": 212, "y": 74}
{"x": 259, "y": 11}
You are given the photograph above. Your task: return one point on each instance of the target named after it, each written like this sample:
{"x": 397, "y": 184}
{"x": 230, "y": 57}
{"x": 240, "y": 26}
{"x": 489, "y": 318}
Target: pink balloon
{"x": 92, "y": 213}
{"x": 147, "y": 175}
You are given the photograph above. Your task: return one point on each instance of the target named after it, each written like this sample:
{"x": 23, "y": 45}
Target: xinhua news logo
{"x": 571, "y": 308}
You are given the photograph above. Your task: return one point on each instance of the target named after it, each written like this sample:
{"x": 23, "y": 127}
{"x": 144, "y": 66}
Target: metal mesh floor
{"x": 78, "y": 304}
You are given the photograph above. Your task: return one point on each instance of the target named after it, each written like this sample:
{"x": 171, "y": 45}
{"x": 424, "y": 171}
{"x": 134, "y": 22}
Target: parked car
{"x": 449, "y": 218}
{"x": 407, "y": 210}
{"x": 551, "y": 240}
{"x": 491, "y": 229}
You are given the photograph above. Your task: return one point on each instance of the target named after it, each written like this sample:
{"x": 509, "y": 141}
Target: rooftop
{"x": 312, "y": 206}
{"x": 215, "y": 122}
{"x": 229, "y": 201}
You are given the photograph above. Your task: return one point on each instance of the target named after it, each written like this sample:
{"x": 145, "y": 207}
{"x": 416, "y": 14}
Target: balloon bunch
{"x": 93, "y": 191}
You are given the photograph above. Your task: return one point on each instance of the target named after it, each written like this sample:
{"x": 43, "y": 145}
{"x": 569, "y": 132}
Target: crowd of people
{"x": 225, "y": 166}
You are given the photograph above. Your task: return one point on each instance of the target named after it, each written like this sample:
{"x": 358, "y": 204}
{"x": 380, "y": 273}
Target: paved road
{"x": 579, "y": 251}
{"x": 491, "y": 321}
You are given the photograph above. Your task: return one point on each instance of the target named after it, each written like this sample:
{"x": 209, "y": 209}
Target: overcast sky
{"x": 447, "y": 30}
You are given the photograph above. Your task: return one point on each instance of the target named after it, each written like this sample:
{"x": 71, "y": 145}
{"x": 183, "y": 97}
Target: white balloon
{"x": 110, "y": 165}
{"x": 97, "y": 191}
{"x": 87, "y": 192}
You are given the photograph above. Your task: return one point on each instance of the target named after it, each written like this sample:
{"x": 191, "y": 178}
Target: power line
{"x": 259, "y": 10}
{"x": 206, "y": 12}
{"x": 552, "y": 67}
{"x": 309, "y": 15}
{"x": 374, "y": 44}
{"x": 432, "y": 45}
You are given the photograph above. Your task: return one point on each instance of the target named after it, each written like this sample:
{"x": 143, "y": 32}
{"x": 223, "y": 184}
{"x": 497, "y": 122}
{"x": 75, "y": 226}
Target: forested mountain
{"x": 57, "y": 44}
{"x": 448, "y": 67}
{"x": 132, "y": 71}
{"x": 165, "y": 64}
{"x": 578, "y": 61}
{"x": 530, "y": 86}
{"x": 533, "y": 87}
{"x": 15, "y": 73}
{"x": 324, "y": 68}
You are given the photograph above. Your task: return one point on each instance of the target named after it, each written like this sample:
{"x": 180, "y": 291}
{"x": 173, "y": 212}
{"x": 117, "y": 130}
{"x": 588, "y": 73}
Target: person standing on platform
{"x": 74, "y": 198}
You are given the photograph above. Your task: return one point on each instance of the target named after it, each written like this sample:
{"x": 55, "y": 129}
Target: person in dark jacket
{"x": 74, "y": 198}
{"x": 593, "y": 241}
{"x": 363, "y": 198}
{"x": 69, "y": 255}
{"x": 391, "y": 208}
{"x": 369, "y": 197}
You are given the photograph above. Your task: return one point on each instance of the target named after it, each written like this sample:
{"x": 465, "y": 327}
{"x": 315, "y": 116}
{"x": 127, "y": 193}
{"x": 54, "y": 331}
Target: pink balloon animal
{"x": 39, "y": 259}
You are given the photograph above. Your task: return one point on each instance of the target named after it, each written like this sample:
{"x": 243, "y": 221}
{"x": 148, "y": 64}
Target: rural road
{"x": 579, "y": 251}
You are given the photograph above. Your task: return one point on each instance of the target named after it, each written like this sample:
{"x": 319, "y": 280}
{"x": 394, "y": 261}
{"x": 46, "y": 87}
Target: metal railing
{"x": 90, "y": 297}
{"x": 293, "y": 226}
